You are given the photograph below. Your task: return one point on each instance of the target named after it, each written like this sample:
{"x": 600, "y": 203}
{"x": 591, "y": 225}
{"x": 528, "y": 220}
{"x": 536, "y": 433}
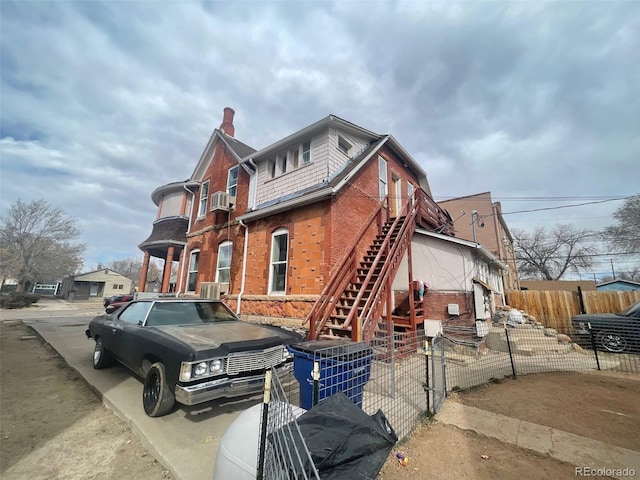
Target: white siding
{"x": 171, "y": 204}
{"x": 326, "y": 159}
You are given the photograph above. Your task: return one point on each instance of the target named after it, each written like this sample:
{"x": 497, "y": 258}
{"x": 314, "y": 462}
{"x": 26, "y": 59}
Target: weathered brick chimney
{"x": 227, "y": 122}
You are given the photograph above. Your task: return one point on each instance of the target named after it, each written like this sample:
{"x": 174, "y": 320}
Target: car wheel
{"x": 156, "y": 395}
{"x": 101, "y": 357}
{"x": 612, "y": 342}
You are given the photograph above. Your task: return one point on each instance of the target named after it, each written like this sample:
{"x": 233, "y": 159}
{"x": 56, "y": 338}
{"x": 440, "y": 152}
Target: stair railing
{"x": 340, "y": 279}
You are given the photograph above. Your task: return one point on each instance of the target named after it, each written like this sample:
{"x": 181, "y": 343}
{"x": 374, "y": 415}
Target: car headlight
{"x": 216, "y": 366}
{"x": 207, "y": 368}
{"x": 200, "y": 368}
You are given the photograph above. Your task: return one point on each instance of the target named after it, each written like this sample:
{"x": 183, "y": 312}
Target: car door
{"x": 127, "y": 332}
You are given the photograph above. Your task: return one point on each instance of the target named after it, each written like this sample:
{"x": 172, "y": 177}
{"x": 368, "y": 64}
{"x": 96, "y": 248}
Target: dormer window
{"x": 306, "y": 152}
{"x": 344, "y": 146}
{"x": 283, "y": 164}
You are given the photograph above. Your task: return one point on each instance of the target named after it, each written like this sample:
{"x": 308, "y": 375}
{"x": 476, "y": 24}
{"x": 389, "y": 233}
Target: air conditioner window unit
{"x": 220, "y": 201}
{"x": 210, "y": 290}
{"x": 453, "y": 309}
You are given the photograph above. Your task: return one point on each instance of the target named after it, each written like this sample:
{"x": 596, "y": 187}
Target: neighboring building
{"x": 314, "y": 227}
{"x": 463, "y": 277}
{"x": 558, "y": 285}
{"x": 98, "y": 284}
{"x": 618, "y": 286}
{"x": 482, "y": 222}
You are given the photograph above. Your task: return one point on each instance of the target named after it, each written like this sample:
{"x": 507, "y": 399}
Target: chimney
{"x": 227, "y": 122}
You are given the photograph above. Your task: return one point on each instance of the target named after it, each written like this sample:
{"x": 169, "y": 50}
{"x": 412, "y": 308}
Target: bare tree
{"x": 131, "y": 268}
{"x": 38, "y": 243}
{"x": 548, "y": 255}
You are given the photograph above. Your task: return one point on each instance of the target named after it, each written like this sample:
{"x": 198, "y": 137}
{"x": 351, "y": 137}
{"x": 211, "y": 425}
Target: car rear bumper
{"x": 225, "y": 387}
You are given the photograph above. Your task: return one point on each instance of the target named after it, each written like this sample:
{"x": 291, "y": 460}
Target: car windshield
{"x": 188, "y": 313}
{"x": 633, "y": 311}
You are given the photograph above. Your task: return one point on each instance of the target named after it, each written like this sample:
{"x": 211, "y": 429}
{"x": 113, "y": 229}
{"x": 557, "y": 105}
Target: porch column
{"x": 143, "y": 272}
{"x": 166, "y": 276}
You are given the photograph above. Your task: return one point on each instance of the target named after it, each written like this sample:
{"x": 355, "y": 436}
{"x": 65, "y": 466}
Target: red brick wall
{"x": 435, "y": 305}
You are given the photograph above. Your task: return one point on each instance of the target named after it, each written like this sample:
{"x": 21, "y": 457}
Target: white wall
{"x": 171, "y": 204}
{"x": 444, "y": 265}
{"x": 326, "y": 159}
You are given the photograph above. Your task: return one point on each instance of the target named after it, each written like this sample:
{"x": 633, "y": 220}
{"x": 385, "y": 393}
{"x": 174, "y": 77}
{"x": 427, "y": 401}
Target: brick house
{"x": 483, "y": 222}
{"x": 314, "y": 227}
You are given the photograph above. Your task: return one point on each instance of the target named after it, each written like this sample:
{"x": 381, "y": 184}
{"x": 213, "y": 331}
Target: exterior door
{"x": 397, "y": 195}
{"x": 93, "y": 292}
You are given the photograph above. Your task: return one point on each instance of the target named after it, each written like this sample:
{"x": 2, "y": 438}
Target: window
{"x": 272, "y": 168}
{"x": 382, "y": 171}
{"x": 193, "y": 271}
{"x": 204, "y": 194}
{"x": 344, "y": 146}
{"x": 306, "y": 152}
{"x": 410, "y": 192}
{"x": 279, "y": 251}
{"x": 224, "y": 262}
{"x": 232, "y": 181}
{"x": 283, "y": 164}
{"x": 135, "y": 313}
{"x": 295, "y": 154}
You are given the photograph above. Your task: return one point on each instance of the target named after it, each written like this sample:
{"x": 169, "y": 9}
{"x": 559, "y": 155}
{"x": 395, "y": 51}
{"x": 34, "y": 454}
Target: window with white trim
{"x": 223, "y": 271}
{"x": 232, "y": 181}
{"x": 306, "y": 152}
{"x": 192, "y": 278}
{"x": 344, "y": 146}
{"x": 382, "y": 172}
{"x": 283, "y": 163}
{"x": 278, "y": 264}
{"x": 204, "y": 195}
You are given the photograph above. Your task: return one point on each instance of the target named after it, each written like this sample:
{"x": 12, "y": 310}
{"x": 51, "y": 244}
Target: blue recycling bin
{"x": 345, "y": 366}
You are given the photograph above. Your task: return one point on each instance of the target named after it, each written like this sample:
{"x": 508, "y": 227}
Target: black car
{"x": 613, "y": 332}
{"x": 189, "y": 350}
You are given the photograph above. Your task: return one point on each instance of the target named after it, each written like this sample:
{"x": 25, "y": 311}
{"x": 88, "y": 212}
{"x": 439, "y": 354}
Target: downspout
{"x": 244, "y": 264}
{"x": 185, "y": 258}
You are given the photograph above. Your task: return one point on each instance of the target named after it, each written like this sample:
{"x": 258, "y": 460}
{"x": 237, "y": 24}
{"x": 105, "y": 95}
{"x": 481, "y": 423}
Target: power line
{"x": 568, "y": 206}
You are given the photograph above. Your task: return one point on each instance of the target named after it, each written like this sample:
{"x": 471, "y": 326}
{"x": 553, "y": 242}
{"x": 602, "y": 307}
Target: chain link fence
{"x": 520, "y": 349}
{"x": 406, "y": 376}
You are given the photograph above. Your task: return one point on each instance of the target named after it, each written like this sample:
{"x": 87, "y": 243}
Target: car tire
{"x": 157, "y": 398}
{"x": 612, "y": 342}
{"x": 101, "y": 356}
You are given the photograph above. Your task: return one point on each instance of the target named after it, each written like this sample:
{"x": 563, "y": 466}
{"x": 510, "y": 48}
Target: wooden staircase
{"x": 352, "y": 302}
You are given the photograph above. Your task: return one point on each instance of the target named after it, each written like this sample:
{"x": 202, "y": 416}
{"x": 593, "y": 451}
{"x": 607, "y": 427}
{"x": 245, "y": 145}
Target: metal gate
{"x": 438, "y": 374}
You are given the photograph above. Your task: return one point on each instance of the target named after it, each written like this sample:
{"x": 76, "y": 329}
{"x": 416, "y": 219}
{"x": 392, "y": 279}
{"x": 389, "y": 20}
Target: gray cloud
{"x": 103, "y": 102}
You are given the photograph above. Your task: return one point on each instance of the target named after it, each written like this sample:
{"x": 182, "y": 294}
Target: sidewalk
{"x": 53, "y": 307}
{"x": 558, "y": 444}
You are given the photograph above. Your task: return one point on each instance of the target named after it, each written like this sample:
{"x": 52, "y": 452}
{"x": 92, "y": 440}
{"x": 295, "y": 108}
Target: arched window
{"x": 279, "y": 258}
{"x": 223, "y": 272}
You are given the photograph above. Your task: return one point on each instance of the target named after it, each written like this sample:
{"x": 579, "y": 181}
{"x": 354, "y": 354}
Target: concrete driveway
{"x": 185, "y": 441}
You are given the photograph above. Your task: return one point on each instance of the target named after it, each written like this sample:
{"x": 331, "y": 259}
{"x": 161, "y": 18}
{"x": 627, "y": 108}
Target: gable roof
{"x": 326, "y": 122}
{"x": 236, "y": 147}
{"x": 619, "y": 281}
{"x": 316, "y": 192}
{"x": 339, "y": 178}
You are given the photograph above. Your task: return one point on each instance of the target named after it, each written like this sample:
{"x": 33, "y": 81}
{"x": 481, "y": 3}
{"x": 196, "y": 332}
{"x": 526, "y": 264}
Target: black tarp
{"x": 344, "y": 442}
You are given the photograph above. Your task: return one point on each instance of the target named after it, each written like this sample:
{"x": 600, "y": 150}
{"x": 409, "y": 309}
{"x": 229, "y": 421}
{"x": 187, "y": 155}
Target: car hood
{"x": 213, "y": 335}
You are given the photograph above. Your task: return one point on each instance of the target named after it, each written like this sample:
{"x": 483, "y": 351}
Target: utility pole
{"x": 612, "y": 270}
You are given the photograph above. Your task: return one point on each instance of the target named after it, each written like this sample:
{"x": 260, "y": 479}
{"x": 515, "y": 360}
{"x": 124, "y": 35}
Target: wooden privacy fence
{"x": 554, "y": 309}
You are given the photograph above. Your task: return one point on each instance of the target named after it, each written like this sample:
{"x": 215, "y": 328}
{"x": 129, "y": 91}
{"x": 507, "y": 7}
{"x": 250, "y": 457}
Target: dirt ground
{"x": 53, "y": 426}
{"x": 597, "y": 405}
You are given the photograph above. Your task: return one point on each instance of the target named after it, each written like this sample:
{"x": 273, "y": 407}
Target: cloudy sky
{"x": 538, "y": 103}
